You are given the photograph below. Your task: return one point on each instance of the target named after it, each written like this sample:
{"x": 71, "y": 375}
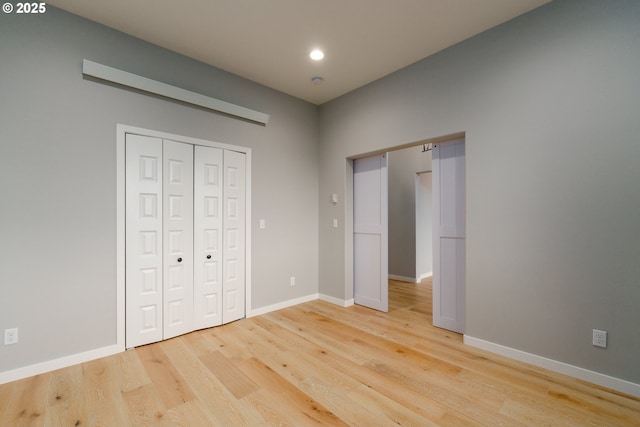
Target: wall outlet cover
{"x": 600, "y": 338}
{"x": 10, "y": 336}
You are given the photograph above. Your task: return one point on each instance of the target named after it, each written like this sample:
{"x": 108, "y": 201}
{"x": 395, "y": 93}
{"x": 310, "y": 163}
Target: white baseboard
{"x": 403, "y": 278}
{"x": 301, "y": 300}
{"x": 281, "y": 305}
{"x": 553, "y": 365}
{"x": 425, "y": 275}
{"x": 63, "y": 362}
{"x": 337, "y": 301}
{"x": 410, "y": 279}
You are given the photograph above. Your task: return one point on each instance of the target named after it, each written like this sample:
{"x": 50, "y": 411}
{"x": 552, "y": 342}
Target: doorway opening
{"x": 408, "y": 257}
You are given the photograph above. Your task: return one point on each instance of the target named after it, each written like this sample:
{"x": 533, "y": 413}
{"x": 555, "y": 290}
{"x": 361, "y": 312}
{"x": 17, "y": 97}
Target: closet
{"x": 184, "y": 238}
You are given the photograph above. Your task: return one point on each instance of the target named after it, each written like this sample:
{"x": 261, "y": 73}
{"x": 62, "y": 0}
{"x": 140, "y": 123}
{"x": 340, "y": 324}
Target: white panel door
{"x": 233, "y": 237}
{"x": 449, "y": 235}
{"x": 207, "y": 237}
{"x": 144, "y": 237}
{"x": 370, "y": 237}
{"x": 178, "y": 238}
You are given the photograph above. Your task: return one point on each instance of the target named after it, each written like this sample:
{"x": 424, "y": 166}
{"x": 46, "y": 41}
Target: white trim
{"x": 300, "y": 300}
{"x": 403, "y": 278}
{"x": 120, "y": 237}
{"x": 247, "y": 236}
{"x": 121, "y": 131}
{"x": 337, "y": 301}
{"x": 424, "y": 276}
{"x": 110, "y": 74}
{"x": 410, "y": 279}
{"x": 281, "y": 305}
{"x": 553, "y": 365}
{"x": 52, "y": 365}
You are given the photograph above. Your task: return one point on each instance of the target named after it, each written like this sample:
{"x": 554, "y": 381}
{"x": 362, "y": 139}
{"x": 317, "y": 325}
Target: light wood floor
{"x": 314, "y": 364}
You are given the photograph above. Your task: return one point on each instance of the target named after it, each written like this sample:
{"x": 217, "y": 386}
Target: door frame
{"x": 348, "y": 205}
{"x": 121, "y": 132}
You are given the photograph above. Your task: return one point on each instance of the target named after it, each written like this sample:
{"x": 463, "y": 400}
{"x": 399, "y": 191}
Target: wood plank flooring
{"x": 314, "y": 364}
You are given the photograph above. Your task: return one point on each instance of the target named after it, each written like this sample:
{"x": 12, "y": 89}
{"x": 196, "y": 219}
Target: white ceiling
{"x": 268, "y": 41}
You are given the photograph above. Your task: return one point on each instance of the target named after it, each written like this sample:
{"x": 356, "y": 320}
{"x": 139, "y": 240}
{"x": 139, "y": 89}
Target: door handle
{"x": 179, "y": 259}
{"x": 208, "y": 256}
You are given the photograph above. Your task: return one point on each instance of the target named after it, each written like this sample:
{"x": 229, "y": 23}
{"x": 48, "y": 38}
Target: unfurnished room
{"x": 346, "y": 212}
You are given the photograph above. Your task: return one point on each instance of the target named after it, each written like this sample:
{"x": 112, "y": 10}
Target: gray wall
{"x": 403, "y": 166}
{"x": 58, "y": 177}
{"x": 549, "y": 102}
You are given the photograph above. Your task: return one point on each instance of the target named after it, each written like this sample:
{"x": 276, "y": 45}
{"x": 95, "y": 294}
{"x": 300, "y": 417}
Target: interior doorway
{"x": 410, "y": 254}
{"x": 412, "y": 264}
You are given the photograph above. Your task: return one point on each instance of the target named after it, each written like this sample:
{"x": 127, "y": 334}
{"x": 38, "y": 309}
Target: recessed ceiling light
{"x": 316, "y": 54}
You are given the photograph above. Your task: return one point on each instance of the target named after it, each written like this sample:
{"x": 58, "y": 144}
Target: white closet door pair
{"x": 185, "y": 210}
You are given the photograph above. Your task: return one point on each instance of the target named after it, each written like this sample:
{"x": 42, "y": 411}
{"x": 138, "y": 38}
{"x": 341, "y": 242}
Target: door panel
{"x": 370, "y": 239}
{"x": 208, "y": 237}
{"x": 178, "y": 237}
{"x": 449, "y": 235}
{"x": 368, "y": 247}
{"x": 233, "y": 236}
{"x": 144, "y": 240}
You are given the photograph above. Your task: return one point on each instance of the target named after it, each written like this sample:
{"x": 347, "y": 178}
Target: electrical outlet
{"x": 10, "y": 336}
{"x": 600, "y": 338}
{"x": 292, "y": 281}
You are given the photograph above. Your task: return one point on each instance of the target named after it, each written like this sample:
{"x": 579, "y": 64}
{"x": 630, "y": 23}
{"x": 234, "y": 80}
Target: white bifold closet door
{"x": 185, "y": 238}
{"x": 208, "y": 237}
{"x": 233, "y": 257}
{"x": 144, "y": 236}
{"x": 219, "y": 241}
{"x": 177, "y": 214}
